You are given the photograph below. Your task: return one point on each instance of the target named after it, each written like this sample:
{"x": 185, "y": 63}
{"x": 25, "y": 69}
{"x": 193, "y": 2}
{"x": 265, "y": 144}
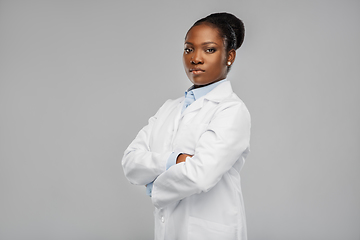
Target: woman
{"x": 190, "y": 154}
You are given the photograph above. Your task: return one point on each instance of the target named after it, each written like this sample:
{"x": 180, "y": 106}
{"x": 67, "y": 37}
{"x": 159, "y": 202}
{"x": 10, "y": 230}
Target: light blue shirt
{"x": 198, "y": 93}
{"x": 202, "y": 91}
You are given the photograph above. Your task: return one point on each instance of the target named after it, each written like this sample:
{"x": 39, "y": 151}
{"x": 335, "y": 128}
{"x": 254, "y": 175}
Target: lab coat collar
{"x": 219, "y": 93}
{"x": 202, "y": 91}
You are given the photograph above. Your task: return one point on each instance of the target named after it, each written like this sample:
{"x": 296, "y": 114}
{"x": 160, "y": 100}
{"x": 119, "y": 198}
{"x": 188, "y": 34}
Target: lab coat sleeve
{"x": 141, "y": 165}
{"x": 225, "y": 140}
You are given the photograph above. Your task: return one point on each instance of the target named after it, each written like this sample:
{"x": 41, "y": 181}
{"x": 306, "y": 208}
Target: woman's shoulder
{"x": 170, "y": 104}
{"x": 173, "y": 102}
{"x": 232, "y": 103}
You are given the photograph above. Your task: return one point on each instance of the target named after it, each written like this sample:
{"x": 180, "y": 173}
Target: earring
{"x": 229, "y": 63}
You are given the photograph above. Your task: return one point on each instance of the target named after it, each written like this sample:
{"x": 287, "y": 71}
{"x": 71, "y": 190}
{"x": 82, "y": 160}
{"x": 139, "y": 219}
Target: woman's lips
{"x": 196, "y": 71}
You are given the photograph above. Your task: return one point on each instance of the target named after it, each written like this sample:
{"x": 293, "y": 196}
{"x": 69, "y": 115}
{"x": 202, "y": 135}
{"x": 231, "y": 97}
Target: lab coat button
{"x": 162, "y": 219}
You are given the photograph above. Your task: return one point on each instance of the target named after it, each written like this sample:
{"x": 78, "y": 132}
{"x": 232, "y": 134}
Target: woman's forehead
{"x": 203, "y": 33}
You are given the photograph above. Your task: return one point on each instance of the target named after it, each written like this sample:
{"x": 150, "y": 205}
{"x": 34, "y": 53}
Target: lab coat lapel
{"x": 220, "y": 92}
{"x": 216, "y": 95}
{"x": 177, "y": 118}
{"x": 193, "y": 107}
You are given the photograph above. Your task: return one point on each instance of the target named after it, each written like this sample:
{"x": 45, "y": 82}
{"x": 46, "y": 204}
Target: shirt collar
{"x": 202, "y": 91}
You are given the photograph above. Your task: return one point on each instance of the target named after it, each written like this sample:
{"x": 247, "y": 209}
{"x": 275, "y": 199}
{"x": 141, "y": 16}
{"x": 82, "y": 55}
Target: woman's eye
{"x": 187, "y": 50}
{"x": 210, "y": 50}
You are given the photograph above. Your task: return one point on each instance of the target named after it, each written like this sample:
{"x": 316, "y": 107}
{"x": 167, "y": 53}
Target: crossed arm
{"x": 180, "y": 158}
{"x": 218, "y": 148}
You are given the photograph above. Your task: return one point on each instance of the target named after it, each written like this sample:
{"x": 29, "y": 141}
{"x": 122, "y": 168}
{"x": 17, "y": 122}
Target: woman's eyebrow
{"x": 204, "y": 43}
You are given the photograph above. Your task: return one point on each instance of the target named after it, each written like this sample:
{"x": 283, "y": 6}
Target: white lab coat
{"x": 201, "y": 198}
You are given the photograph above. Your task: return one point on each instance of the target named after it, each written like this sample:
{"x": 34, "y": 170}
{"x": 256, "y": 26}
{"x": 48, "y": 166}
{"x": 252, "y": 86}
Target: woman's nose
{"x": 197, "y": 58}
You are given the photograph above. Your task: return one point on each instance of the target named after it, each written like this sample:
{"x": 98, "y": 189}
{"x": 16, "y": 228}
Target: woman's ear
{"x": 231, "y": 56}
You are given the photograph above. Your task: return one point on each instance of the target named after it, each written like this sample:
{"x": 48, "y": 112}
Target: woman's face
{"x": 205, "y": 56}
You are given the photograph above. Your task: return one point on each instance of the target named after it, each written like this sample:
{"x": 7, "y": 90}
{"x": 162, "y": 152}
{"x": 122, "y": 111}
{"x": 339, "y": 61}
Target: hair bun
{"x": 238, "y": 27}
{"x": 229, "y": 25}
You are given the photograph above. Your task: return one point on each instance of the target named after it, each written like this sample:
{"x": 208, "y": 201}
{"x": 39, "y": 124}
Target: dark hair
{"x": 230, "y": 28}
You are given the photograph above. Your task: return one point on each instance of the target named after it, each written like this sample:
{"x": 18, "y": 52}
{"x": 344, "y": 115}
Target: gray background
{"x": 78, "y": 79}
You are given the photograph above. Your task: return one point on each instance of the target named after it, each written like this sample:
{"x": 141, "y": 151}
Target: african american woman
{"x": 190, "y": 154}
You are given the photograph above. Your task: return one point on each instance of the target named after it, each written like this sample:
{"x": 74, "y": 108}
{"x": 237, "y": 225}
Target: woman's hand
{"x": 182, "y": 157}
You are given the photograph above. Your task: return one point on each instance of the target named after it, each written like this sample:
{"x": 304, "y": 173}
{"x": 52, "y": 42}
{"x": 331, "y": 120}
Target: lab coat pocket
{"x": 200, "y": 229}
